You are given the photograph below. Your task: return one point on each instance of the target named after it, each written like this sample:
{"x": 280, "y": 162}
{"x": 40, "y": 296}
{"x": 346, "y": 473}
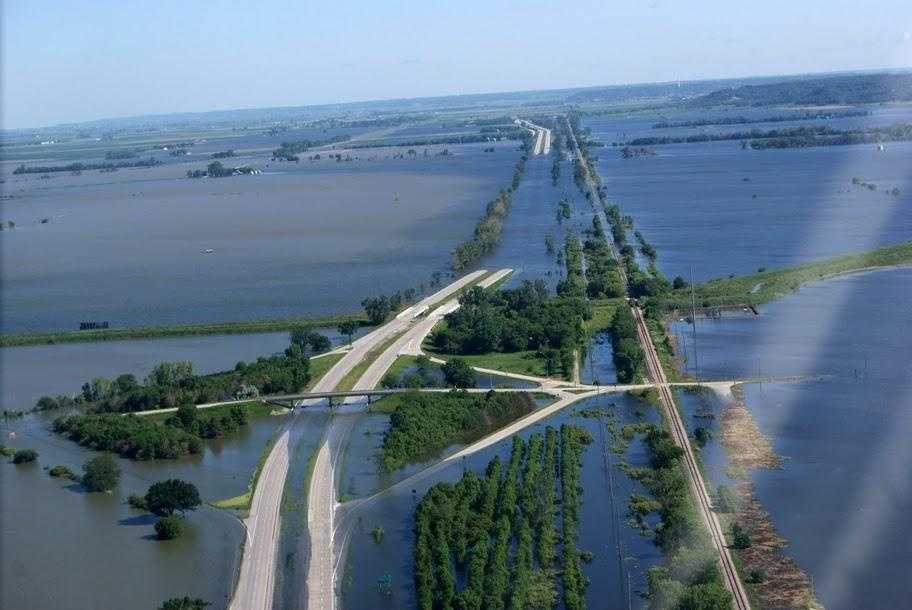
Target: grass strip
{"x": 157, "y": 332}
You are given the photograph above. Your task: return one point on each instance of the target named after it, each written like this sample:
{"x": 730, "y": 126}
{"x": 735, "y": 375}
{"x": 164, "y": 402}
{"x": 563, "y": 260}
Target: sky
{"x": 75, "y": 61}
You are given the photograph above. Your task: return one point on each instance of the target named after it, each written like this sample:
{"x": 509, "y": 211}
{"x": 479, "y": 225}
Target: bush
{"x": 101, "y": 473}
{"x": 458, "y": 373}
{"x": 169, "y": 527}
{"x": 184, "y": 603}
{"x": 727, "y": 500}
{"x": 25, "y": 456}
{"x": 6, "y": 451}
{"x": 62, "y": 472}
{"x": 740, "y": 538}
{"x": 137, "y": 502}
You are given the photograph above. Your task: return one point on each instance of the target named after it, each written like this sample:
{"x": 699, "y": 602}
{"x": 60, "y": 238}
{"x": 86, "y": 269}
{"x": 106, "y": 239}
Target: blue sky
{"x": 72, "y": 61}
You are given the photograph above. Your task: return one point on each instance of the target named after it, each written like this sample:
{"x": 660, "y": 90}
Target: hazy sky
{"x": 68, "y": 61}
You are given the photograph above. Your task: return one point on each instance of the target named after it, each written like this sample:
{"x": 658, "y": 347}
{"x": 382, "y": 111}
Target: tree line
{"x": 502, "y": 530}
{"x": 145, "y": 438}
{"x": 489, "y": 229}
{"x": 689, "y": 578}
{"x": 424, "y": 424}
{"x": 79, "y": 167}
{"x": 520, "y": 319}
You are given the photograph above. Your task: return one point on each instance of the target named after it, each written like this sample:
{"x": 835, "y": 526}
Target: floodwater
{"x": 299, "y": 239}
{"x": 618, "y": 550}
{"x": 64, "y": 548}
{"x": 844, "y": 493}
{"x": 532, "y": 218}
{"x": 30, "y": 372}
{"x": 598, "y": 361}
{"x": 712, "y": 209}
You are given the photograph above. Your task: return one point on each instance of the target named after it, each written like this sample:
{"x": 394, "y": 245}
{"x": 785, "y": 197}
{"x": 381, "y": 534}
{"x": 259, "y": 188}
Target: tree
{"x": 679, "y": 282}
{"x": 166, "y": 497}
{"x": 186, "y": 415}
{"x": 184, "y": 603}
{"x": 170, "y": 374}
{"x": 307, "y": 341}
{"x": 376, "y": 308}
{"x": 348, "y": 328}
{"x": 101, "y": 473}
{"x": 25, "y": 456}
{"x": 169, "y": 527}
{"x": 458, "y": 373}
{"x": 740, "y": 538}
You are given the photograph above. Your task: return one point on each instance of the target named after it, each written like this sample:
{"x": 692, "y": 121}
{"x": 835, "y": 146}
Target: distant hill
{"x": 848, "y": 89}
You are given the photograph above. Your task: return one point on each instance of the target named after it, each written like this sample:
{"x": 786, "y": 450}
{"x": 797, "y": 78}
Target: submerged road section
{"x": 256, "y": 578}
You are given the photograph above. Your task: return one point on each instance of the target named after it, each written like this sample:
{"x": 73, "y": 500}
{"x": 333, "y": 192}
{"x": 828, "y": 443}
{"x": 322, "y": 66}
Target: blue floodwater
{"x": 298, "y": 240}
{"x": 712, "y": 209}
{"x": 844, "y": 493}
{"x": 603, "y": 520}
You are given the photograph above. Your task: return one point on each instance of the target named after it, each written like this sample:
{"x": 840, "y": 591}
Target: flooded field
{"x": 28, "y": 373}
{"x": 132, "y": 248}
{"x": 842, "y": 495}
{"x": 714, "y": 209}
{"x": 50, "y": 525}
{"x": 618, "y": 551}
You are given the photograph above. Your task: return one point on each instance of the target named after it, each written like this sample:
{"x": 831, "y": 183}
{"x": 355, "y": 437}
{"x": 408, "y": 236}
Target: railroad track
{"x": 679, "y": 434}
{"x": 740, "y": 600}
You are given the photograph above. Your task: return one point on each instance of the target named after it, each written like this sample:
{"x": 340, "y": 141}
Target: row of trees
{"x": 490, "y": 228}
{"x": 424, "y": 424}
{"x": 171, "y": 384}
{"x": 502, "y": 530}
{"x": 289, "y": 151}
{"x": 690, "y": 579}
{"x": 217, "y": 169}
{"x": 79, "y": 167}
{"x": 143, "y": 438}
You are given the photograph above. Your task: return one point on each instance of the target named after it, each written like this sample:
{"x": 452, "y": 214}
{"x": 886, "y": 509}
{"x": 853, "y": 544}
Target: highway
{"x": 542, "y": 135}
{"x": 256, "y": 577}
{"x": 322, "y": 498}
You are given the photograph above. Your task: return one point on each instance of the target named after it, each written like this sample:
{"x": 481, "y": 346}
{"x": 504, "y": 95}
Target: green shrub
{"x": 101, "y": 473}
{"x": 184, "y": 603}
{"x": 137, "y": 502}
{"x": 25, "y": 456}
{"x": 62, "y": 472}
{"x": 169, "y": 527}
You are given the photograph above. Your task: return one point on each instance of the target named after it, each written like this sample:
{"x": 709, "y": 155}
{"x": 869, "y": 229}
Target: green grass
{"x": 524, "y": 363}
{"x": 387, "y": 404}
{"x": 242, "y": 502}
{"x": 777, "y": 283}
{"x": 602, "y": 314}
{"x": 254, "y": 408}
{"x": 319, "y": 367}
{"x": 152, "y": 332}
{"x": 352, "y": 377}
{"x": 401, "y": 363}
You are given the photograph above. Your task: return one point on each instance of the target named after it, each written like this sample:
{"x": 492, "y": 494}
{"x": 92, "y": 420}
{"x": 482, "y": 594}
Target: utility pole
{"x": 693, "y": 317}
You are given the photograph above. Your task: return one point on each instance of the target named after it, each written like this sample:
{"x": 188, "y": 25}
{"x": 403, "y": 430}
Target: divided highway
{"x": 542, "y": 135}
{"x": 256, "y": 578}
